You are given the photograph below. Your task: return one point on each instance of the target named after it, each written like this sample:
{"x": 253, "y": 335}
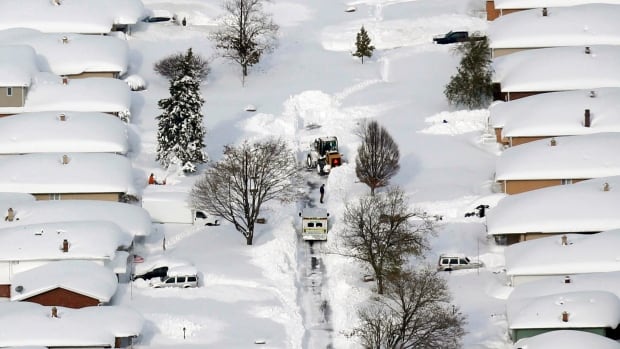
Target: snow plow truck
{"x": 324, "y": 155}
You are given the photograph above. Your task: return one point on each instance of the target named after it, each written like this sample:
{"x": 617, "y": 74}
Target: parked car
{"x": 449, "y": 262}
{"x": 182, "y": 281}
{"x": 182, "y": 276}
{"x": 455, "y": 36}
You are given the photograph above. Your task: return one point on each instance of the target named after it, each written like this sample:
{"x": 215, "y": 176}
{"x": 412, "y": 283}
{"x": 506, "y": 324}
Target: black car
{"x": 453, "y": 37}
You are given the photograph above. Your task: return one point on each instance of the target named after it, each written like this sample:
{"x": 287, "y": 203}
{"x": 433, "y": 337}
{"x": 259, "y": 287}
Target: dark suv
{"x": 453, "y": 37}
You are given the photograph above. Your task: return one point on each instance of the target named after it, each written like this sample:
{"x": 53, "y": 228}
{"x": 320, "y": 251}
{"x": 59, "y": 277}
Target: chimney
{"x": 65, "y": 159}
{"x": 586, "y": 118}
{"x": 544, "y": 11}
{"x": 54, "y": 312}
{"x": 62, "y": 117}
{"x": 65, "y": 39}
{"x": 65, "y": 80}
{"x": 65, "y": 245}
{"x": 553, "y": 142}
{"x": 606, "y": 186}
{"x": 567, "y": 279}
{"x": 587, "y": 50}
{"x": 565, "y": 316}
{"x": 564, "y": 240}
{"x": 592, "y": 94}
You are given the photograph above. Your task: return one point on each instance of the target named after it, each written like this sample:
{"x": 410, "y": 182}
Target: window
{"x": 463, "y": 261}
{"x": 454, "y": 261}
{"x": 319, "y": 225}
{"x": 191, "y": 279}
{"x": 180, "y": 278}
{"x": 445, "y": 261}
{"x": 310, "y": 225}
{"x": 567, "y": 181}
{"x": 170, "y": 281}
{"x": 9, "y": 91}
{"x": 54, "y": 196}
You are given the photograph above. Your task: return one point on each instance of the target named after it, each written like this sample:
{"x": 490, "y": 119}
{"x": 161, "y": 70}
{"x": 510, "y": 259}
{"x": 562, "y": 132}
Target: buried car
{"x": 449, "y": 262}
{"x": 182, "y": 276}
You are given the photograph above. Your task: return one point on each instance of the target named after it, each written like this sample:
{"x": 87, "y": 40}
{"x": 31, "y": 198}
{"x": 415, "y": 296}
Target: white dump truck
{"x": 173, "y": 207}
{"x": 314, "y": 225}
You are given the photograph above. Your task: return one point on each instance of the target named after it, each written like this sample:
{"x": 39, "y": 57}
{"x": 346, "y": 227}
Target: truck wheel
{"x": 309, "y": 162}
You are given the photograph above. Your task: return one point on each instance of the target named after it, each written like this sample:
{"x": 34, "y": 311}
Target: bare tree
{"x": 383, "y": 232}
{"x": 247, "y": 33}
{"x": 377, "y": 156}
{"x": 415, "y": 312}
{"x": 248, "y": 176}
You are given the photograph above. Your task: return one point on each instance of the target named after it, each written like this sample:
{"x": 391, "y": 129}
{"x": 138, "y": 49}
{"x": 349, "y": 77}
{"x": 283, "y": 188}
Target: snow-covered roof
{"x": 567, "y": 339}
{"x": 131, "y": 219}
{"x": 578, "y": 207}
{"x": 83, "y": 277}
{"x": 606, "y": 281}
{"x": 558, "y": 69}
{"x": 26, "y": 323}
{"x": 48, "y": 93}
{"x": 558, "y": 113}
{"x": 576, "y": 157}
{"x": 588, "y": 309}
{"x": 47, "y": 132}
{"x": 314, "y": 212}
{"x": 582, "y": 25}
{"x": 584, "y": 253}
{"x": 526, "y": 4}
{"x": 70, "y": 16}
{"x": 18, "y": 64}
{"x": 42, "y": 173}
{"x": 65, "y": 54}
{"x": 88, "y": 240}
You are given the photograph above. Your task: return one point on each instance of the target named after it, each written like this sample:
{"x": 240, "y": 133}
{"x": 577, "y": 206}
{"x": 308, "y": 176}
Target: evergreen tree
{"x": 472, "y": 84}
{"x": 362, "y": 45}
{"x": 180, "y": 132}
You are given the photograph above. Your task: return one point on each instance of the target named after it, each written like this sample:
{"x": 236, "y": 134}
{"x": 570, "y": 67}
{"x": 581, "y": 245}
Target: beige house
{"x": 580, "y": 26}
{"x": 558, "y": 161}
{"x": 531, "y": 72}
{"x": 556, "y": 114}
{"x": 498, "y": 8}
{"x": 586, "y": 207}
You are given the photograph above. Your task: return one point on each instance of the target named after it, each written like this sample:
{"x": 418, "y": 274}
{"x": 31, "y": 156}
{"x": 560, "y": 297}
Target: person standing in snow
{"x": 322, "y": 191}
{"x": 10, "y": 215}
{"x": 152, "y": 180}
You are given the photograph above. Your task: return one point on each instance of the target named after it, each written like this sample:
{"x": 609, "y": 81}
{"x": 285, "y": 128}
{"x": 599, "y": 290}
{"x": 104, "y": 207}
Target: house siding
{"x": 514, "y": 141}
{"x": 511, "y": 96}
{"x": 520, "y": 186}
{"x": 81, "y": 196}
{"x": 112, "y": 75}
{"x": 530, "y": 332}
{"x": 17, "y": 98}
{"x": 63, "y": 298}
{"x": 5, "y": 291}
{"x": 498, "y": 52}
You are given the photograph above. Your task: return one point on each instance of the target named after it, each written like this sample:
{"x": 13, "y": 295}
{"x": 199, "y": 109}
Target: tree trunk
{"x": 372, "y": 190}
{"x": 379, "y": 284}
{"x": 362, "y": 59}
{"x": 249, "y": 237}
{"x": 244, "y": 67}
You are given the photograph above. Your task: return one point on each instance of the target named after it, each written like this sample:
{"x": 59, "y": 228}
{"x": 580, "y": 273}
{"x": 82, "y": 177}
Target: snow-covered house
{"x": 70, "y": 16}
{"x": 73, "y": 55}
{"x": 29, "y": 324}
{"x": 606, "y": 281}
{"x": 69, "y": 176}
{"x": 62, "y": 132}
{"x": 49, "y": 92}
{"x": 582, "y": 25}
{"x": 557, "y": 161}
{"x": 67, "y": 283}
{"x": 584, "y": 207}
{"x": 556, "y": 114}
{"x": 17, "y": 67}
{"x": 567, "y": 339}
{"x": 597, "y": 312}
{"x": 26, "y": 247}
{"x": 563, "y": 255}
{"x": 132, "y": 219}
{"x": 531, "y": 72}
{"x": 498, "y": 8}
